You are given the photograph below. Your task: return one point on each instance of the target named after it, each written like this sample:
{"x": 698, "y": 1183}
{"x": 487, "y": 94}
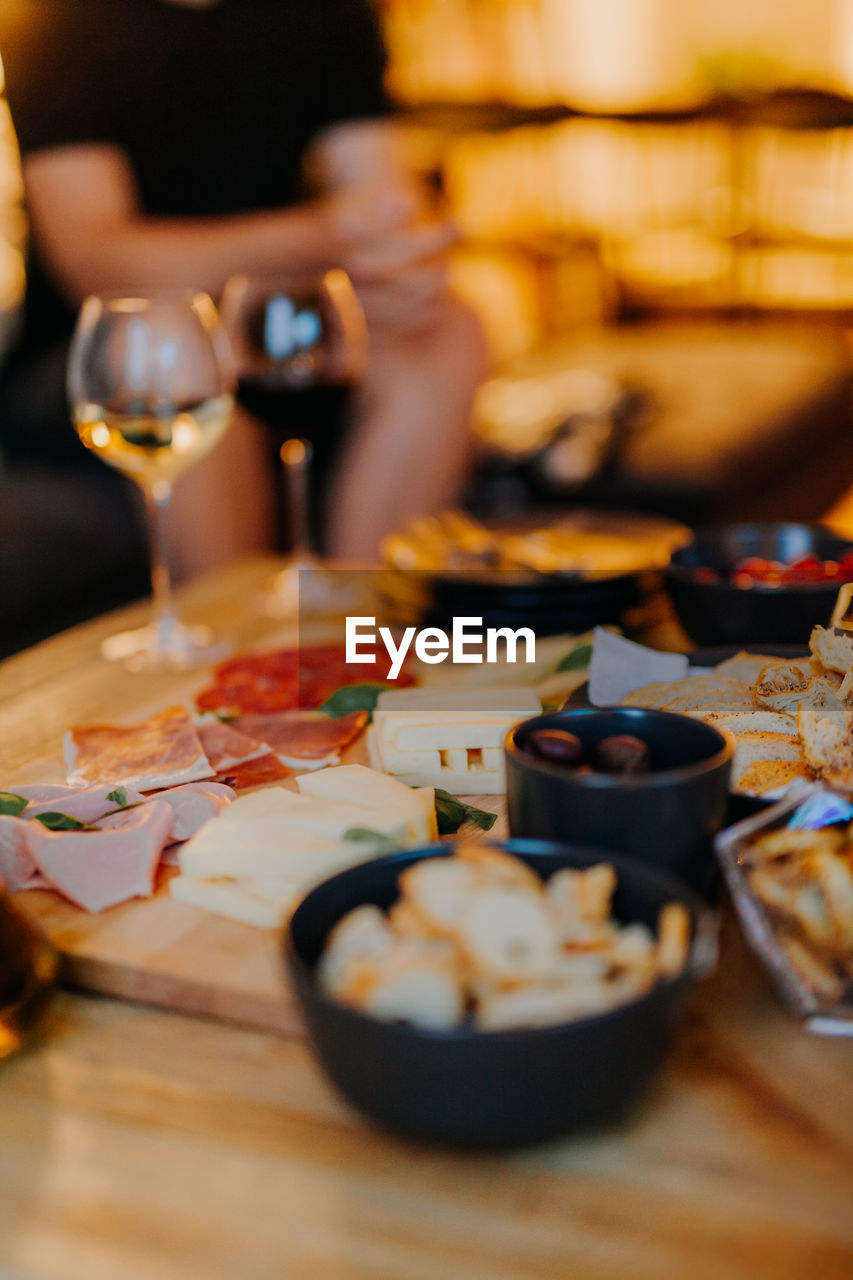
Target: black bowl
{"x": 667, "y": 817}
{"x": 551, "y": 604}
{"x": 473, "y": 1088}
{"x": 717, "y": 613}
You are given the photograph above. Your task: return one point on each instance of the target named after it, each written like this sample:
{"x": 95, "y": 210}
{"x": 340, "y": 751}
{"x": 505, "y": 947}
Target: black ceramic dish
{"x": 473, "y": 1088}
{"x": 550, "y": 604}
{"x": 717, "y": 613}
{"x": 667, "y": 818}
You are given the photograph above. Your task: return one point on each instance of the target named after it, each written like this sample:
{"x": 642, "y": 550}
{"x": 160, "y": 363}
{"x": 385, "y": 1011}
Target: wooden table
{"x": 137, "y": 1144}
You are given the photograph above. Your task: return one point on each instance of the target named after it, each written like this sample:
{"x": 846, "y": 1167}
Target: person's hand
{"x": 395, "y": 253}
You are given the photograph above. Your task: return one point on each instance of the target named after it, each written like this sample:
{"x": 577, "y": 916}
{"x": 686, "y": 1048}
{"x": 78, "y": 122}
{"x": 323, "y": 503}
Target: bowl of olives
{"x": 647, "y": 783}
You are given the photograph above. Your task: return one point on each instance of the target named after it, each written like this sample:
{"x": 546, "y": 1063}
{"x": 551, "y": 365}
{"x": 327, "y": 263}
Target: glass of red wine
{"x": 294, "y": 341}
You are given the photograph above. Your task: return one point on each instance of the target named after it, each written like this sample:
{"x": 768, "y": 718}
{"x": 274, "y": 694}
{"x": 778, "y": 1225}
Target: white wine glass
{"x": 291, "y": 338}
{"x": 151, "y": 384}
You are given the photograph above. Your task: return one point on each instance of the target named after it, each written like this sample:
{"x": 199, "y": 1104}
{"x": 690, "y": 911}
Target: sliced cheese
{"x": 413, "y": 727}
{"x": 471, "y": 782}
{"x": 375, "y": 791}
{"x": 266, "y": 903}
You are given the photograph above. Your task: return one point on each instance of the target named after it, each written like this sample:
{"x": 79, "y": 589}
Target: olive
{"x": 556, "y": 745}
{"x": 623, "y": 753}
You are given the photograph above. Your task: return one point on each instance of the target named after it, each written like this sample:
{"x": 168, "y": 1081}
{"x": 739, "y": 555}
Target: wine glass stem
{"x": 158, "y": 497}
{"x": 296, "y": 461}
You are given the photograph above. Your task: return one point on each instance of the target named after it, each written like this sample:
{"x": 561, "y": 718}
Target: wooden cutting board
{"x": 162, "y": 952}
{"x": 151, "y": 950}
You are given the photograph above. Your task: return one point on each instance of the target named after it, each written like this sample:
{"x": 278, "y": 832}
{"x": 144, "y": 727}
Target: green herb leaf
{"x": 226, "y": 716}
{"x": 119, "y": 797}
{"x": 451, "y": 813}
{"x": 11, "y": 805}
{"x": 575, "y": 659}
{"x": 364, "y": 835}
{"x": 62, "y": 822}
{"x": 353, "y": 697}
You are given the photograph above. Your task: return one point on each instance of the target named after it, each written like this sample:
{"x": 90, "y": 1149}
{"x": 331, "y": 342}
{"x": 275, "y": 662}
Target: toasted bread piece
{"x": 763, "y": 748}
{"x": 744, "y": 666}
{"x": 768, "y": 775}
{"x": 833, "y": 647}
{"x": 827, "y": 737}
{"x": 782, "y": 686}
{"x": 662, "y": 692}
{"x": 755, "y": 721}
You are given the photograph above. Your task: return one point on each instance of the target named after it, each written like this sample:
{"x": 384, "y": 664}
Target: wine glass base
{"x": 177, "y": 647}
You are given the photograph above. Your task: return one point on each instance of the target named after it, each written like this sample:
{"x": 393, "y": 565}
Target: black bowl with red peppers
{"x": 758, "y": 583}
{"x": 651, "y": 784}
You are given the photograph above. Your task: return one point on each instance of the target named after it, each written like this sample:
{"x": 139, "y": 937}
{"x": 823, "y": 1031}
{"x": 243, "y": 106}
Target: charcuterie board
{"x": 162, "y": 952}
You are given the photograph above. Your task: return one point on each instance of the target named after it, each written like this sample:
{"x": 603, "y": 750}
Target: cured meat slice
{"x": 98, "y": 869}
{"x": 192, "y": 804}
{"x": 86, "y": 805}
{"x": 254, "y": 773}
{"x": 17, "y": 865}
{"x": 225, "y": 746}
{"x": 37, "y": 792}
{"x": 286, "y": 679}
{"x": 304, "y": 739}
{"x": 163, "y": 751}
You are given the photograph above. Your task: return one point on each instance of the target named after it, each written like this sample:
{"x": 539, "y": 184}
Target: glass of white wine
{"x": 151, "y": 383}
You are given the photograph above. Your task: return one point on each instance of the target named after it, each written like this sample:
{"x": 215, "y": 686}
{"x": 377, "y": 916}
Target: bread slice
{"x": 826, "y": 734}
{"x": 770, "y": 775}
{"x": 767, "y": 747}
{"x": 744, "y": 666}
{"x": 663, "y": 692}
{"x": 833, "y": 647}
{"x": 782, "y": 686}
{"x": 755, "y": 721}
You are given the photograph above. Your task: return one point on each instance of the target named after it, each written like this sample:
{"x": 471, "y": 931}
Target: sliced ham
{"x": 304, "y": 739}
{"x": 192, "y": 805}
{"x": 98, "y": 869}
{"x": 86, "y": 804}
{"x": 38, "y": 792}
{"x": 163, "y": 751}
{"x": 18, "y": 869}
{"x": 225, "y": 746}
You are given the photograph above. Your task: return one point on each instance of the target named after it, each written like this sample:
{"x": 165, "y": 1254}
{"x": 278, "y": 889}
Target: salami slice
{"x": 163, "y": 751}
{"x": 285, "y": 680}
{"x": 304, "y": 739}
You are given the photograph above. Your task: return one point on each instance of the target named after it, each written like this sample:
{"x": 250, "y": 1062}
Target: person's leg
{"x": 410, "y": 447}
{"x": 224, "y": 507}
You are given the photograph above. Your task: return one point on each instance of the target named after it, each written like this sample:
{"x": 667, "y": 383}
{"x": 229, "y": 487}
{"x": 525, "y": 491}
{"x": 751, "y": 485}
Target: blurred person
{"x": 164, "y": 143}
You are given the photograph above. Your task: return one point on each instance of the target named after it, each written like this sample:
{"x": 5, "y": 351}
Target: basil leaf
{"x": 577, "y": 658}
{"x": 11, "y": 805}
{"x": 353, "y": 697}
{"x": 451, "y": 813}
{"x": 364, "y": 835}
{"x": 119, "y": 797}
{"x": 62, "y": 822}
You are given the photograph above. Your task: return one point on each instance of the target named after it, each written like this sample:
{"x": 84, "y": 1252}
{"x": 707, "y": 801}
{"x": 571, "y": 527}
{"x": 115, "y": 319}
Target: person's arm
{"x": 94, "y": 235}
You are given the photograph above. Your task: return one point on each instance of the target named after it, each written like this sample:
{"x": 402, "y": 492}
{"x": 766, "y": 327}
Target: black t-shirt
{"x": 214, "y": 106}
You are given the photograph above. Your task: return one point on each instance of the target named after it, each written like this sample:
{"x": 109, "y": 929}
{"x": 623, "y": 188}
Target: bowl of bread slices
{"x": 496, "y": 992}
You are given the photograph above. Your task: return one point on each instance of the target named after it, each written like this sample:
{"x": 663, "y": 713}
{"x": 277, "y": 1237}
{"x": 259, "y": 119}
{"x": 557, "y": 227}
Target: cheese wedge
{"x": 268, "y": 848}
{"x": 372, "y": 790}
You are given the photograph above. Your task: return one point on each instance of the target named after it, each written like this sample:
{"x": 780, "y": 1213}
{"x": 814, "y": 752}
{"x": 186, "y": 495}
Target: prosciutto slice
{"x": 254, "y": 773}
{"x": 163, "y": 751}
{"x": 304, "y": 739}
{"x": 98, "y": 869}
{"x": 18, "y": 869}
{"x": 226, "y": 746}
